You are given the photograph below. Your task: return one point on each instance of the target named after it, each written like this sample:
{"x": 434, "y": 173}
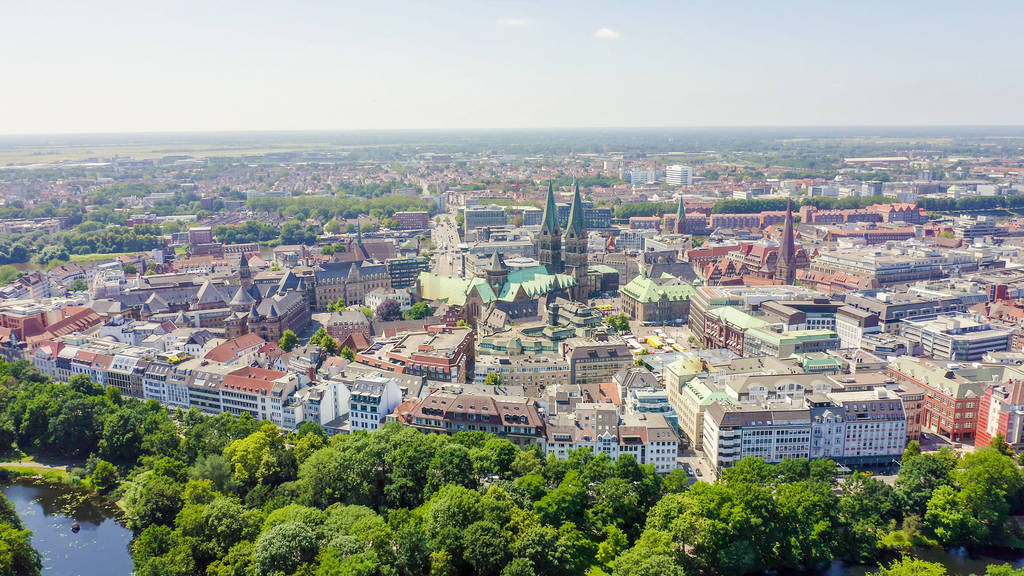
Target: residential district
{"x": 690, "y": 316}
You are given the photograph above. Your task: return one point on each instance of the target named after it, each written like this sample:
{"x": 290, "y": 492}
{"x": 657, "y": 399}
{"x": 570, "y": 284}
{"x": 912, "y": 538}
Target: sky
{"x": 187, "y": 65}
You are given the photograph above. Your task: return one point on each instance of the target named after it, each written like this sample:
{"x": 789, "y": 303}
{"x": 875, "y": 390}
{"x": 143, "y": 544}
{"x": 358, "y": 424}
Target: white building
{"x": 377, "y": 296}
{"x": 677, "y": 175}
{"x": 642, "y": 177}
{"x": 957, "y": 337}
{"x": 649, "y": 438}
{"x": 371, "y": 399}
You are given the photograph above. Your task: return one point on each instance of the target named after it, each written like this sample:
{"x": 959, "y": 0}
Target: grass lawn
{"x": 80, "y": 258}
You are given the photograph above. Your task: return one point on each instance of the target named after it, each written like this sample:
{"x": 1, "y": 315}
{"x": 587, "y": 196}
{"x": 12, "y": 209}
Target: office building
{"x": 677, "y": 175}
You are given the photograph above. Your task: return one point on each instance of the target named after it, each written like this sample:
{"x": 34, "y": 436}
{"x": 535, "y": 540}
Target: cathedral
{"x": 566, "y": 254}
{"x": 563, "y": 272}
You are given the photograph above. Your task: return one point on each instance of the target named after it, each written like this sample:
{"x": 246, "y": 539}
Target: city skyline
{"x": 118, "y": 67}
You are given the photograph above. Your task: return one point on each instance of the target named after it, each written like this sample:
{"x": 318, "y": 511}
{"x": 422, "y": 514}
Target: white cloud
{"x": 607, "y": 34}
{"x": 513, "y": 21}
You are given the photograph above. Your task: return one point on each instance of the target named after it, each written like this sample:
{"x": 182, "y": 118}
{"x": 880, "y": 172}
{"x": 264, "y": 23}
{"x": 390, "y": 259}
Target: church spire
{"x": 496, "y": 264}
{"x": 576, "y": 213}
{"x": 550, "y": 220}
{"x": 785, "y": 269}
{"x": 681, "y": 217}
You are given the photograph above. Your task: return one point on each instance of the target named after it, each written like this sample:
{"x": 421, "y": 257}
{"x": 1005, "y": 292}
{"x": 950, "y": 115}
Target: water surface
{"x": 100, "y": 548}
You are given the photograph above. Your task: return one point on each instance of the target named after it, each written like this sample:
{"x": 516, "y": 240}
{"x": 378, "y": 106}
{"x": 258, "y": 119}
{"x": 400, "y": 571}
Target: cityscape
{"x": 450, "y": 326}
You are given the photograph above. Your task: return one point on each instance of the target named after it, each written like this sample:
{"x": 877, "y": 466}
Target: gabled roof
{"x": 242, "y": 298}
{"x": 644, "y": 289}
{"x": 208, "y": 294}
{"x": 230, "y": 349}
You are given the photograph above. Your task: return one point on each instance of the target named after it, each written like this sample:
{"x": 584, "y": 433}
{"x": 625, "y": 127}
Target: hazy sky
{"x": 183, "y": 65}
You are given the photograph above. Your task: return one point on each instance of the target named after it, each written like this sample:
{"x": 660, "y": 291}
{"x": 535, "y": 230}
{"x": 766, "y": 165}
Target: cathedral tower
{"x": 576, "y": 246}
{"x": 549, "y": 247}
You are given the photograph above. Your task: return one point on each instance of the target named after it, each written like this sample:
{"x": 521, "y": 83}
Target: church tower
{"x": 785, "y": 266}
{"x": 497, "y": 274}
{"x": 549, "y": 247}
{"x": 576, "y": 246}
{"x": 680, "y": 227}
{"x": 244, "y": 272}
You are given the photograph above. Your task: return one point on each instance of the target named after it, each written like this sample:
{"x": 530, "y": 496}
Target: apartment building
{"x": 649, "y": 438}
{"x": 595, "y": 359}
{"x": 440, "y": 353}
{"x": 527, "y": 370}
{"x": 1001, "y": 411}
{"x": 953, "y": 393}
{"x": 371, "y": 400}
{"x": 865, "y": 428}
{"x": 514, "y": 417}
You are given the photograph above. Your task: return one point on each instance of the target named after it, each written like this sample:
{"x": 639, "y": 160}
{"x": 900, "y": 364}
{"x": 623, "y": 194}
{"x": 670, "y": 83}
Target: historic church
{"x": 563, "y": 272}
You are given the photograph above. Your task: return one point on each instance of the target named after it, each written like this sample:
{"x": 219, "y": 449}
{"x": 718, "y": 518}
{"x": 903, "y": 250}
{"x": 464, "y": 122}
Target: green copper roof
{"x": 525, "y": 274}
{"x": 957, "y": 380}
{"x": 576, "y": 213}
{"x": 680, "y": 211}
{"x": 736, "y": 317}
{"x": 539, "y": 285}
{"x": 550, "y": 219}
{"x": 452, "y": 289}
{"x": 644, "y": 289}
{"x": 703, "y": 394}
{"x": 687, "y": 367}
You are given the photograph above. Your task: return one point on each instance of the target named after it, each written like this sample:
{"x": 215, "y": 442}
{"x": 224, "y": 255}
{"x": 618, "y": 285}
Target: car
{"x": 699, "y": 473}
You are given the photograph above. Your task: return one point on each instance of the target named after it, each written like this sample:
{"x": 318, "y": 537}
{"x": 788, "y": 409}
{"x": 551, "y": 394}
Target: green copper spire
{"x": 681, "y": 217}
{"x": 576, "y": 213}
{"x": 550, "y": 221}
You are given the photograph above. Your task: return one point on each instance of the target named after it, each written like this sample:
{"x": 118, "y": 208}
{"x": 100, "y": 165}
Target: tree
{"x": 949, "y": 517}
{"x": 324, "y": 341}
{"x": 151, "y": 499}
{"x": 493, "y": 379}
{"x": 619, "y": 323}
{"x": 920, "y": 475}
{"x": 615, "y": 543}
{"x": 288, "y": 340}
{"x": 261, "y": 457}
{"x": 388, "y": 310}
{"x": 999, "y": 444}
{"x": 486, "y": 548}
{"x": 78, "y": 285}
{"x": 418, "y": 311}
{"x": 348, "y": 354}
{"x": 336, "y": 306}
{"x": 17, "y": 557}
{"x": 908, "y": 566}
{"x": 519, "y": 566}
{"x": 104, "y": 476}
{"x": 676, "y": 481}
{"x": 283, "y": 548}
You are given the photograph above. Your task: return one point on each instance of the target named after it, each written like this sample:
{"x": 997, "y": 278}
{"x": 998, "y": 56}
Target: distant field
{"x": 44, "y": 155}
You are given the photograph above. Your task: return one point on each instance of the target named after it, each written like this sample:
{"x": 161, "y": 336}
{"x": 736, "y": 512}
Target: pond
{"x": 958, "y": 562}
{"x": 100, "y": 548}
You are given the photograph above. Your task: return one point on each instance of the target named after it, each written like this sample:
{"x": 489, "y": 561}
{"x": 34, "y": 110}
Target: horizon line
{"x": 258, "y": 131}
